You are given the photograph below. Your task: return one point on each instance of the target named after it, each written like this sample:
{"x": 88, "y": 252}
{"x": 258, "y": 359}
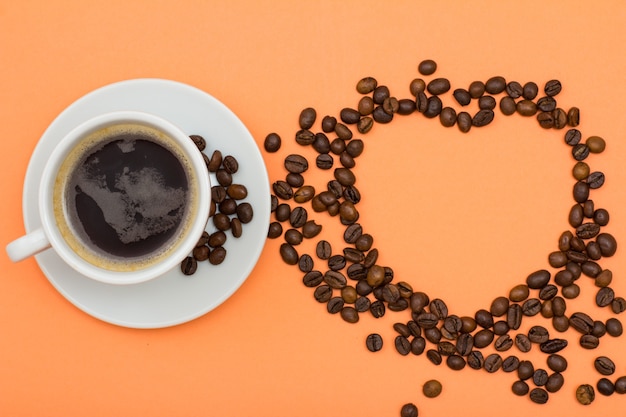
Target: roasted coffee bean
{"x": 455, "y": 362}
{"x": 321, "y": 144}
{"x": 380, "y": 93}
{"x": 204, "y": 239}
{"x": 374, "y": 342}
{"x": 217, "y": 255}
{"x": 228, "y": 206}
{"x": 216, "y": 239}
{"x": 531, "y": 307}
{"x": 433, "y": 335}
{"x": 548, "y": 292}
{"x": 462, "y": 96}
{"x": 189, "y": 265}
{"x": 464, "y": 344}
{"x": 580, "y": 152}
{"x": 328, "y": 124}
{"x": 499, "y": 306}
{"x": 294, "y": 180}
{"x": 557, "y": 363}
{"x": 366, "y": 85}
{"x": 601, "y": 217}
{"x": 307, "y": 118}
{"x": 362, "y": 303}
{"x": 230, "y": 164}
{"x": 439, "y": 308}
{"x": 560, "y": 118}
{"x": 433, "y": 107}
{"x": 366, "y": 106}
{"x": 546, "y": 104}
{"x": 475, "y": 360}
{"x": 546, "y": 120}
{"x": 503, "y": 343}
{"x": 585, "y": 394}
{"x": 525, "y": 370}
{"x": 605, "y": 386}
{"x": 323, "y": 293}
{"x": 507, "y": 106}
{"x": 390, "y": 105}
{"x": 519, "y": 293}
{"x": 526, "y": 108}
{"x": 296, "y": 163}
{"x": 589, "y": 341}
{"x": 305, "y": 137}
{"x": 495, "y": 85}
{"x": 523, "y": 343}
{"x": 245, "y": 213}
{"x": 576, "y": 215}
{"x": 520, "y": 388}
{"x": 581, "y": 322}
{"x": 595, "y": 180}
{"x": 432, "y": 388}
{"x": 218, "y": 194}
{"x": 275, "y": 230}
{"x": 221, "y": 221}
{"x": 464, "y": 121}
{"x": 215, "y": 161}
{"x": 608, "y": 244}
{"x": 530, "y": 90}
{"x": 438, "y": 86}
{"x": 418, "y": 344}
{"x": 484, "y": 318}
{"x": 349, "y": 314}
{"x": 540, "y": 377}
{"x": 417, "y": 86}
{"x": 418, "y": 301}
{"x": 346, "y": 160}
{"x": 493, "y": 363}
{"x": 581, "y": 192}
{"x": 510, "y": 364}
{"x": 377, "y": 308}
{"x": 553, "y": 345}
{"x": 596, "y": 144}
{"x": 539, "y": 395}
{"x": 349, "y": 116}
{"x": 571, "y": 291}
{"x": 409, "y": 410}
{"x": 538, "y": 334}
{"x": 483, "y": 338}
{"x": 555, "y": 382}
{"x": 620, "y": 385}
{"x": 483, "y": 118}
{"x": 447, "y": 117}
{"x": 237, "y": 191}
{"x": 604, "y": 365}
{"x": 421, "y": 102}
{"x": 311, "y": 278}
{"x": 538, "y": 279}
{"x": 599, "y": 329}
{"x": 605, "y": 296}
{"x": 402, "y": 344}
{"x": 335, "y": 279}
{"x": 348, "y": 213}
{"x": 336, "y": 262}
{"x": 427, "y": 320}
{"x": 335, "y": 305}
{"x": 486, "y": 103}
{"x": 427, "y": 67}
{"x": 614, "y": 327}
{"x": 501, "y": 327}
{"x": 564, "y": 278}
{"x": 476, "y": 89}
{"x": 514, "y": 316}
{"x": 293, "y": 237}
{"x": 282, "y": 190}
{"x": 406, "y": 106}
{"x": 344, "y": 176}
{"x": 514, "y": 89}
{"x": 289, "y": 254}
{"x": 618, "y": 305}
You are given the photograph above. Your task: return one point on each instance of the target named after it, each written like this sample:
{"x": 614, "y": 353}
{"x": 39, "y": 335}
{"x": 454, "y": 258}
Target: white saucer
{"x": 172, "y": 298}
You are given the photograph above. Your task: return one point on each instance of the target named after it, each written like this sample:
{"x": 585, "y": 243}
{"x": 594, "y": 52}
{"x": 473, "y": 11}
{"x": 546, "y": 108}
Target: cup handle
{"x": 28, "y": 245}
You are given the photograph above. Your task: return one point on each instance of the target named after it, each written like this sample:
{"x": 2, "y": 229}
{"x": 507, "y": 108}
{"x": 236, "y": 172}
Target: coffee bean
{"x": 555, "y": 382}
{"x": 608, "y": 244}
{"x": 540, "y": 377}
{"x": 402, "y": 344}
{"x": 377, "y": 308}
{"x": 557, "y": 363}
{"x": 432, "y": 388}
{"x": 366, "y": 85}
{"x": 503, "y": 343}
{"x": 552, "y": 88}
{"x": 531, "y": 307}
{"x": 289, "y": 254}
{"x": 217, "y": 255}
{"x": 282, "y": 190}
{"x": 523, "y": 343}
{"x": 560, "y": 118}
{"x": 553, "y": 345}
{"x": 620, "y": 385}
{"x": 581, "y": 192}
{"x": 510, "y": 364}
{"x": 296, "y": 163}
{"x": 417, "y": 86}
{"x": 519, "y": 293}
{"x": 595, "y": 180}
{"x": 618, "y": 305}
{"x": 427, "y": 67}
{"x": 335, "y": 305}
{"x": 349, "y": 116}
{"x": 514, "y": 316}
{"x": 275, "y": 230}
{"x": 546, "y": 120}
{"x": 483, "y": 338}
{"x": 305, "y": 137}
{"x": 464, "y": 121}
{"x": 581, "y": 322}
{"x": 462, "y": 96}
{"x": 520, "y": 388}
{"x": 433, "y": 107}
{"x": 307, "y": 118}
{"x": 508, "y": 106}
{"x": 539, "y": 395}
{"x": 482, "y": 118}
{"x": 272, "y": 143}
{"x": 294, "y": 180}
{"x": 447, "y": 117}
{"x": 548, "y": 292}
{"x": 526, "y": 108}
{"x": 438, "y": 308}
{"x": 476, "y": 89}
{"x": 189, "y": 265}
{"x": 245, "y": 213}
{"x": 538, "y": 334}
{"x": 604, "y": 365}
{"x": 493, "y": 363}
{"x": 514, "y": 89}
{"x": 576, "y": 216}
{"x": 595, "y": 144}
{"x": 538, "y": 279}
{"x": 328, "y": 124}
{"x": 604, "y": 296}
{"x": 495, "y": 85}
{"x": 349, "y": 314}
{"x": 323, "y": 293}
{"x": 530, "y": 90}
{"x": 215, "y": 161}
{"x": 572, "y": 137}
{"x": 438, "y": 86}
{"x": 614, "y": 327}
{"x": 525, "y": 370}
{"x": 475, "y": 360}
{"x": 585, "y": 394}
{"x": 605, "y": 386}
{"x": 589, "y": 341}
{"x": 455, "y": 362}
{"x": 311, "y": 278}
{"x": 409, "y": 410}
{"x": 601, "y": 217}
{"x": 362, "y": 303}
{"x": 380, "y": 94}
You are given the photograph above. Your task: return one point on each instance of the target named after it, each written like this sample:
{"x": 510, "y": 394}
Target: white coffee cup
{"x": 59, "y": 233}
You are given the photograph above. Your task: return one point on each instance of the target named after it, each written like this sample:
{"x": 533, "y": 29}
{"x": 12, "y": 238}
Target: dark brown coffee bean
{"x": 595, "y": 180}
{"x": 538, "y": 334}
{"x": 620, "y": 385}
{"x": 514, "y": 316}
{"x": 245, "y": 213}
{"x": 540, "y": 377}
{"x": 237, "y": 191}
{"x": 427, "y": 67}
{"x": 581, "y": 322}
{"x": 538, "y": 279}
{"x": 323, "y": 293}
{"x": 275, "y": 230}
{"x": 604, "y": 365}
{"x": 560, "y": 118}
{"x": 495, "y": 85}
{"x": 221, "y": 221}
{"x": 464, "y": 121}
{"x": 198, "y": 141}
{"x": 433, "y": 107}
{"x": 605, "y": 296}
{"x": 585, "y": 394}
{"x": 503, "y": 343}
{"x": 605, "y": 386}
{"x": 475, "y": 360}
{"x": 514, "y": 89}
{"x": 510, "y": 364}
{"x": 546, "y": 120}
{"x": 508, "y": 106}
{"x": 580, "y": 152}
{"x": 217, "y": 255}
{"x": 366, "y": 85}
{"x": 307, "y": 118}
{"x": 335, "y": 305}
{"x": 432, "y": 388}
{"x": 374, "y": 342}
{"x": 380, "y": 94}
{"x": 189, "y": 265}
{"x": 349, "y": 314}
{"x": 328, "y": 124}
{"x": 483, "y": 338}
{"x": 520, "y": 388}
{"x": 438, "y": 86}
{"x": 455, "y": 362}
{"x": 311, "y": 278}
{"x": 618, "y": 305}
{"x": 476, "y": 89}
{"x": 377, "y": 308}
{"x": 289, "y": 254}
{"x": 493, "y": 363}
{"x": 402, "y": 344}
{"x": 522, "y": 342}
{"x": 482, "y": 118}
{"x": 438, "y": 308}
{"x": 362, "y": 303}
{"x": 526, "y": 108}
{"x": 296, "y": 163}
{"x": 409, "y": 410}
{"x": 321, "y": 143}
{"x": 282, "y": 190}
{"x": 525, "y": 370}
{"x": 462, "y": 96}
{"x": 553, "y": 345}
{"x": 614, "y": 327}
{"x": 215, "y": 161}
{"x": 390, "y": 105}
{"x": 417, "y": 86}
{"x": 539, "y": 395}
{"x": 486, "y": 103}
{"x": 589, "y": 341}
{"x": 546, "y": 105}
{"x": 608, "y": 244}
{"x": 557, "y": 363}
{"x": 499, "y": 306}
{"x": 228, "y": 206}
{"x": 294, "y": 180}
{"x": 305, "y": 137}
{"x": 530, "y": 90}
{"x": 293, "y": 237}
{"x": 552, "y": 88}
{"x": 218, "y": 194}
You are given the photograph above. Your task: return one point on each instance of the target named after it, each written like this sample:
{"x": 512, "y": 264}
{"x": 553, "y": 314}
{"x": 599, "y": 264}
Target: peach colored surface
{"x": 487, "y": 207}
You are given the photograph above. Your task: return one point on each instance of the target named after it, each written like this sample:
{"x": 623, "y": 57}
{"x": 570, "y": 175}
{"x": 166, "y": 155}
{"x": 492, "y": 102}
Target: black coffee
{"x": 126, "y": 196}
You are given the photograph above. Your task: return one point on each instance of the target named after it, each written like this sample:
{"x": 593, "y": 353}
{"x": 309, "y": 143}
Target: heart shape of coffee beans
{"x": 351, "y": 281}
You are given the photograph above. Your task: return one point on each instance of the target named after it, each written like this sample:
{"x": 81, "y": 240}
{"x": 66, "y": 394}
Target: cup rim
{"x": 197, "y": 226}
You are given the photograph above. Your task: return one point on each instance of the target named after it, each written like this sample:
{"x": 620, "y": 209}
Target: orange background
{"x": 491, "y": 204}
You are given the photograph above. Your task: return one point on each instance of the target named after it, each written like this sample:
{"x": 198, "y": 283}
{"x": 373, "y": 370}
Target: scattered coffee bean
{"x": 432, "y": 388}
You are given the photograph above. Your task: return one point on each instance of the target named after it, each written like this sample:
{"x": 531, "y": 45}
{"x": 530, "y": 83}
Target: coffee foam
{"x": 135, "y": 197}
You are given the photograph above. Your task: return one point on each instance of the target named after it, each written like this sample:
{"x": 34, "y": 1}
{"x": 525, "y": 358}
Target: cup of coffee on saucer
{"x": 123, "y": 199}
